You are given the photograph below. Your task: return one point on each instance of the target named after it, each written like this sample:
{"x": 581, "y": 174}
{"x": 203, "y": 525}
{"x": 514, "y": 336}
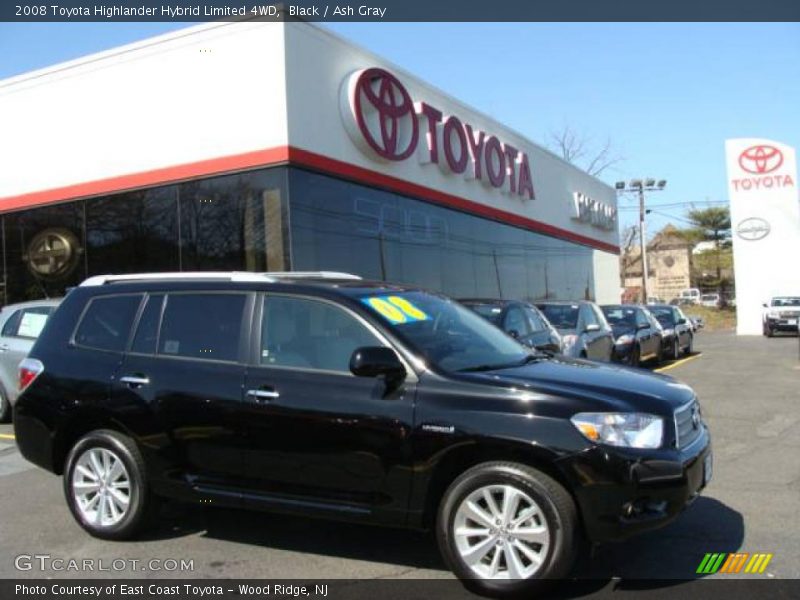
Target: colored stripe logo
{"x": 734, "y": 562}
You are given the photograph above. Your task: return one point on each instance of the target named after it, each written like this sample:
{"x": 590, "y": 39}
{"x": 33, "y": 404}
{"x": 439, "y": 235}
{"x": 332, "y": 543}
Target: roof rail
{"x": 311, "y": 275}
{"x": 218, "y": 275}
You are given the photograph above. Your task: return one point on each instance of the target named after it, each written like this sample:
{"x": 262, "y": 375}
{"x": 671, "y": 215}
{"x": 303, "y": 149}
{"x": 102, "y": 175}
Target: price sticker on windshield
{"x": 395, "y": 309}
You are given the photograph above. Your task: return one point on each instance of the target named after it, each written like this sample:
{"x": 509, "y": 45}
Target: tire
{"x": 770, "y": 332}
{"x": 105, "y": 445}
{"x": 550, "y": 508}
{"x": 689, "y": 346}
{"x": 5, "y": 407}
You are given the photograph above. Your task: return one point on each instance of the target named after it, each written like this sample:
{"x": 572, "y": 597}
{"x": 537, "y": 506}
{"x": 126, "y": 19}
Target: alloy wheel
{"x": 101, "y": 487}
{"x": 501, "y": 533}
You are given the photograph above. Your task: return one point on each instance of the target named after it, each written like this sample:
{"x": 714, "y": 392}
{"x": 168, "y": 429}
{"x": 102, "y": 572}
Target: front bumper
{"x": 622, "y": 492}
{"x": 783, "y": 324}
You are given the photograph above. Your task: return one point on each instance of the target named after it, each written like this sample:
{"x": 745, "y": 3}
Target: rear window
{"x": 106, "y": 323}
{"x": 207, "y": 326}
{"x": 488, "y": 311}
{"x": 27, "y": 322}
{"x": 562, "y": 316}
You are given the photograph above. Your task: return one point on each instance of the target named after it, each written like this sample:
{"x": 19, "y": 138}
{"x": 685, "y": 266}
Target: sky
{"x": 666, "y": 95}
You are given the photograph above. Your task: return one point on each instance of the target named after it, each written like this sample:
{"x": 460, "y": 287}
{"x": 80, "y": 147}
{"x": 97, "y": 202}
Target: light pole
{"x": 641, "y": 186}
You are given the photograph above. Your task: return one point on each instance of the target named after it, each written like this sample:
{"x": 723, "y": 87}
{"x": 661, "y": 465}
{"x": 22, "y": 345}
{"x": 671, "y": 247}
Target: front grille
{"x": 790, "y": 314}
{"x": 688, "y": 426}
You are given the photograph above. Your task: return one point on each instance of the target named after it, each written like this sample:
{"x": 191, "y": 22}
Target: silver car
{"x": 20, "y": 325}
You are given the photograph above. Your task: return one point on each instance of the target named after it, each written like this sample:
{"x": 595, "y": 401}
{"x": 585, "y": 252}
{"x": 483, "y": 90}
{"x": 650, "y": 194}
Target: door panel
{"x": 312, "y": 430}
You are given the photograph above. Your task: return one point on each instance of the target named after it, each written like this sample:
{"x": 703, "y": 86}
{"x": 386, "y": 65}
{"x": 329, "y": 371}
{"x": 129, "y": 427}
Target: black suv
{"x": 322, "y": 394}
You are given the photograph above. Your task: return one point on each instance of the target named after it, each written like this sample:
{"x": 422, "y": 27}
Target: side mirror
{"x": 374, "y": 361}
{"x": 592, "y": 327}
{"x": 513, "y": 333}
{"x": 642, "y": 326}
{"x": 681, "y": 321}
{"x": 764, "y": 304}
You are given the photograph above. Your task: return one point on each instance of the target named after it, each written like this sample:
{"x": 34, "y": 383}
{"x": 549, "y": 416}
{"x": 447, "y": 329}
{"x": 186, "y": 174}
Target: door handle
{"x": 134, "y": 380}
{"x": 4, "y": 347}
{"x": 263, "y": 396}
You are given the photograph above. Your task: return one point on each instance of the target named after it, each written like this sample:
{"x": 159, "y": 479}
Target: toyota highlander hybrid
{"x": 324, "y": 395}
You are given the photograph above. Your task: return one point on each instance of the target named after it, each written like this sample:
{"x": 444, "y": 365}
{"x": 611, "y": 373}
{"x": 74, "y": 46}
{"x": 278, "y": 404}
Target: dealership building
{"x": 280, "y": 146}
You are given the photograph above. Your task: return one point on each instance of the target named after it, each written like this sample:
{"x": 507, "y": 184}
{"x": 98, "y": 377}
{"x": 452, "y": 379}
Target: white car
{"x": 781, "y": 313}
{"x": 710, "y": 300}
{"x": 690, "y": 295}
{"x": 20, "y": 325}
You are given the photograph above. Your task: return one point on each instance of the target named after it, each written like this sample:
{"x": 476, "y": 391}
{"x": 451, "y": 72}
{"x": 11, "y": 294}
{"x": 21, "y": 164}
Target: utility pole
{"x": 643, "y": 245}
{"x": 640, "y": 186}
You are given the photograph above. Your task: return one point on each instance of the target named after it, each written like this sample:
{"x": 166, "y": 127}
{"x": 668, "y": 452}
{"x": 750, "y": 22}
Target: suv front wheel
{"x": 105, "y": 484}
{"x": 507, "y": 529}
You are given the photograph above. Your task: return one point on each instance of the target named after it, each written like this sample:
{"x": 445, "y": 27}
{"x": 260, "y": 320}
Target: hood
{"x": 598, "y": 386}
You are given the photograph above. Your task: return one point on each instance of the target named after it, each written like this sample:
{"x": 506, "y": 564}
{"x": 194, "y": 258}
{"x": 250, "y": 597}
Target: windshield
{"x": 447, "y": 334}
{"x": 664, "y": 315}
{"x": 620, "y": 317}
{"x": 562, "y": 316}
{"x": 787, "y": 301}
{"x": 488, "y": 311}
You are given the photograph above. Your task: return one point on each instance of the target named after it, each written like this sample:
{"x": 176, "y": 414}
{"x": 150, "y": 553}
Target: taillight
{"x": 29, "y": 369}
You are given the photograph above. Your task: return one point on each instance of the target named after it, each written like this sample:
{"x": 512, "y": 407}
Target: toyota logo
{"x": 52, "y": 253}
{"x": 753, "y": 229}
{"x": 383, "y": 112}
{"x": 761, "y": 159}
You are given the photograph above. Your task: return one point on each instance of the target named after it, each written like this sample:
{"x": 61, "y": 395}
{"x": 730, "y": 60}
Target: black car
{"x": 519, "y": 319}
{"x": 678, "y": 331}
{"x": 637, "y": 334}
{"x": 583, "y": 329}
{"x": 325, "y": 395}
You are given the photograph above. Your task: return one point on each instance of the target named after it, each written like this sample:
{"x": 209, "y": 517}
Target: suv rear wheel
{"x": 105, "y": 484}
{"x": 507, "y": 529}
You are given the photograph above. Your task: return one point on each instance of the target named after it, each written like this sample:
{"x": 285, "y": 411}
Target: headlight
{"x": 773, "y": 314}
{"x": 669, "y": 331}
{"x": 626, "y": 339}
{"x": 631, "y": 430}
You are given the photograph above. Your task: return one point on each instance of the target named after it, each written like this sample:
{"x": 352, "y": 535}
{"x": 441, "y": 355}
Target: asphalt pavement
{"x": 748, "y": 388}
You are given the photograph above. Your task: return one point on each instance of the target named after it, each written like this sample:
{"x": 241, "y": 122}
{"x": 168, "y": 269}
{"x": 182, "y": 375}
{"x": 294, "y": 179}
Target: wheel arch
{"x": 463, "y": 457}
{"x": 80, "y": 424}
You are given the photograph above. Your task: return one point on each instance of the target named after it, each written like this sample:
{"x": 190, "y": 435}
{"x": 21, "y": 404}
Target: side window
{"x": 535, "y": 320}
{"x": 641, "y": 318}
{"x": 299, "y": 332}
{"x": 106, "y": 323}
{"x": 11, "y": 326}
{"x": 144, "y": 341}
{"x": 601, "y": 318}
{"x": 27, "y": 322}
{"x": 515, "y": 321}
{"x": 203, "y": 325}
{"x": 589, "y": 318}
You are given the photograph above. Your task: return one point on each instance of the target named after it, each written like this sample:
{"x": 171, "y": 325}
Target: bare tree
{"x": 580, "y": 150}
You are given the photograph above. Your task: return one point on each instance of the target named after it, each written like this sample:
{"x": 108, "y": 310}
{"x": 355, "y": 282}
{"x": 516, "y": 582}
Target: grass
{"x": 717, "y": 319}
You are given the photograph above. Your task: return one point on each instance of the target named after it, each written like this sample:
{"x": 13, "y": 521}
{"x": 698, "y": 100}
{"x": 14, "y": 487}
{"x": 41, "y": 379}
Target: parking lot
{"x": 748, "y": 389}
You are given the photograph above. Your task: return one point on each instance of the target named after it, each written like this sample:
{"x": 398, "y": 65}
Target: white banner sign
{"x": 765, "y": 219}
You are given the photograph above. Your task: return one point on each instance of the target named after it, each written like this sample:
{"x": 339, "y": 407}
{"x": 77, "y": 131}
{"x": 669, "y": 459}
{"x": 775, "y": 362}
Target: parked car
{"x": 696, "y": 322}
{"x": 654, "y": 300}
{"x": 637, "y": 334}
{"x": 689, "y": 296}
{"x": 583, "y": 329}
{"x": 678, "y": 334}
{"x": 20, "y": 325}
{"x": 519, "y": 319}
{"x": 781, "y": 313}
{"x": 324, "y": 395}
{"x": 710, "y": 300}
